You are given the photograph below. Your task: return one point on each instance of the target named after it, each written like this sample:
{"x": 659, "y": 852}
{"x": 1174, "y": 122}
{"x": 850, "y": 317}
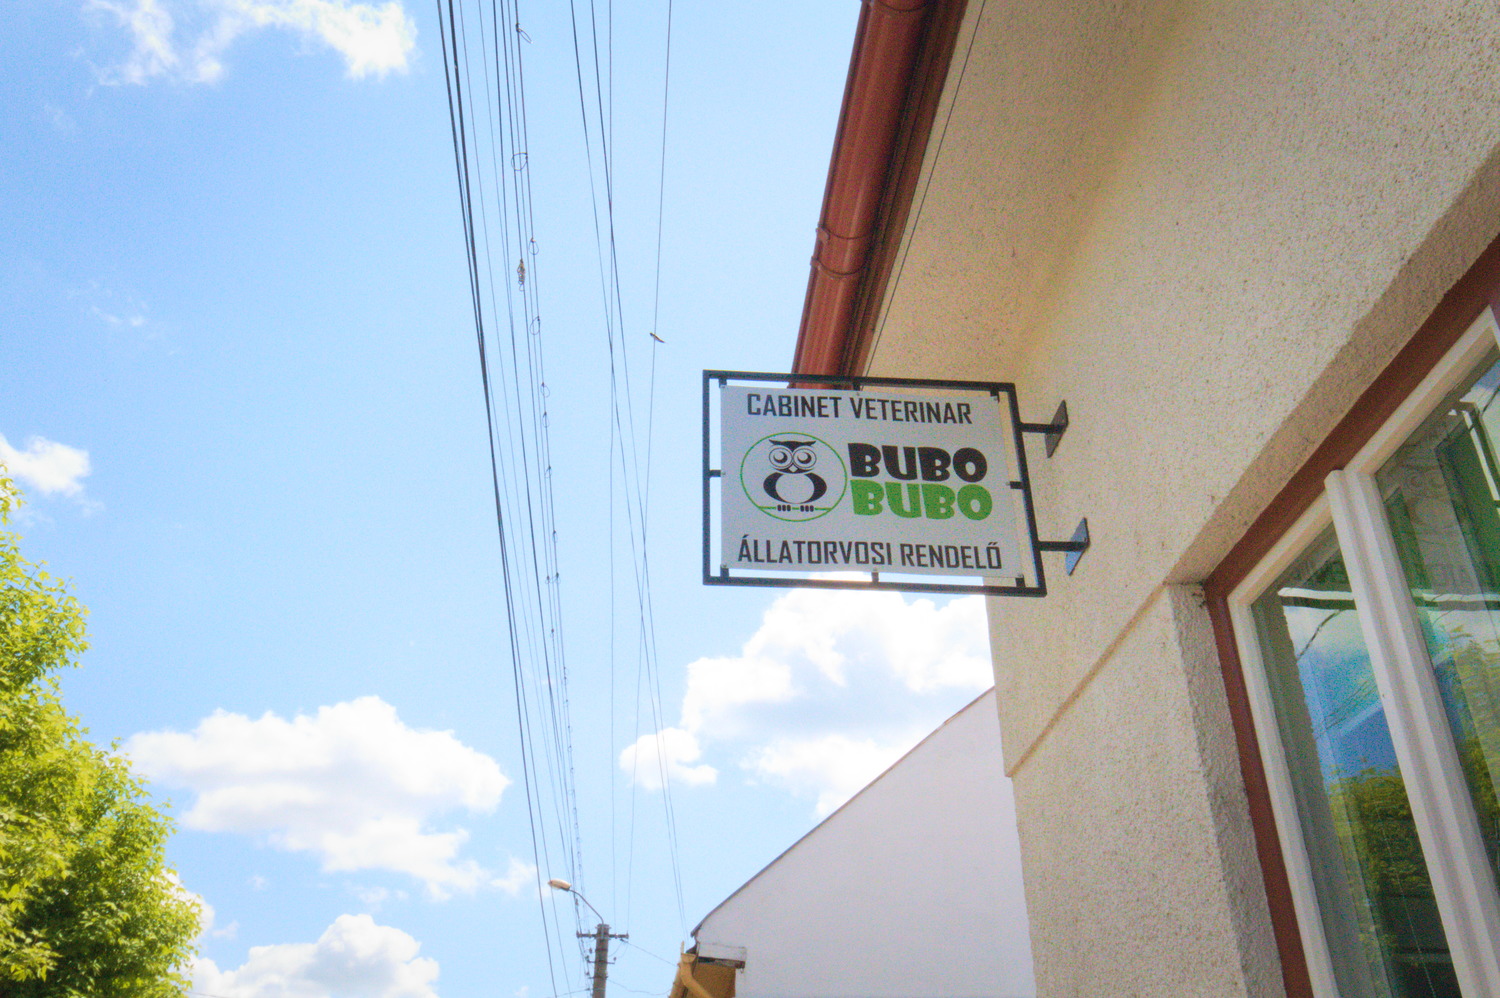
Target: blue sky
{"x": 242, "y": 394}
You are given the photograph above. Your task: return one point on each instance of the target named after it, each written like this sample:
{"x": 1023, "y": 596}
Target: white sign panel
{"x": 874, "y": 481}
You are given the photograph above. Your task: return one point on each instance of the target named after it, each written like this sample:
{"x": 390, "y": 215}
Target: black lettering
{"x": 864, "y": 460}
{"x": 894, "y": 468}
{"x": 934, "y": 462}
{"x": 969, "y": 464}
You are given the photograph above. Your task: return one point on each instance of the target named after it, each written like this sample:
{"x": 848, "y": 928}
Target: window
{"x": 1369, "y": 643}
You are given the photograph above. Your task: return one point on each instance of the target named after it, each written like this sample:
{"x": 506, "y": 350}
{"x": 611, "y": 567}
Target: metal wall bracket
{"x": 1073, "y": 547}
{"x": 1052, "y": 433}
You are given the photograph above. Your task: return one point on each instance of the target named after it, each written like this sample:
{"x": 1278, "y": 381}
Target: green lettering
{"x": 866, "y": 497}
{"x": 974, "y": 502}
{"x": 938, "y": 501}
{"x": 911, "y": 507}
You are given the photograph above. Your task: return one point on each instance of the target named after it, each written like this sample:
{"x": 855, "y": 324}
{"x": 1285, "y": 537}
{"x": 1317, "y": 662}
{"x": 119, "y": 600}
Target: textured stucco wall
{"x": 1253, "y": 209}
{"x": 1128, "y": 853}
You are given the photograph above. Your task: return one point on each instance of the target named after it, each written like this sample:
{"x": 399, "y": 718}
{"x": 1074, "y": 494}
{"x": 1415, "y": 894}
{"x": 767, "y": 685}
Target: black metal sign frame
{"x": 1052, "y": 432}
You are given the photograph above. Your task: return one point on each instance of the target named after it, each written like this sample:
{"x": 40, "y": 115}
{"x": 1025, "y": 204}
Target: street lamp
{"x": 601, "y": 936}
{"x": 563, "y": 885}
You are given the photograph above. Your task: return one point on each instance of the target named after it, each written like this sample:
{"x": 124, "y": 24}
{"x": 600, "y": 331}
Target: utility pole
{"x": 601, "y": 937}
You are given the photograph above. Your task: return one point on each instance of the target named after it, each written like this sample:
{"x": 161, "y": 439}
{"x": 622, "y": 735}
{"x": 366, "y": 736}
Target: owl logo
{"x": 803, "y": 473}
{"x": 794, "y": 461}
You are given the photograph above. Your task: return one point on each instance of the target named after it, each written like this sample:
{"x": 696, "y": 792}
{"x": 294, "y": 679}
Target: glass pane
{"x": 1442, "y": 497}
{"x": 1377, "y": 904}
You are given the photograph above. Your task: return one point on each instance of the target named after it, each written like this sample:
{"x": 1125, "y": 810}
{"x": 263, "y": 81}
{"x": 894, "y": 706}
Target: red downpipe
{"x": 887, "y": 45}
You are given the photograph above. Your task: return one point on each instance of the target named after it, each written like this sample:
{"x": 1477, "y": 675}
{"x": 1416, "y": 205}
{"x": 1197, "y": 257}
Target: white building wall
{"x": 910, "y": 890}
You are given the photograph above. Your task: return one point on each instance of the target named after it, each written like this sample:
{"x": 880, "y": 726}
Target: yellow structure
{"x": 702, "y": 978}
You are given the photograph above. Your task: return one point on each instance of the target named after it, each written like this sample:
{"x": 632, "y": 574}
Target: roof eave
{"x": 902, "y": 51}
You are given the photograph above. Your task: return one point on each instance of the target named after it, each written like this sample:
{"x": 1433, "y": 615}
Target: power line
{"x": 499, "y": 235}
{"x": 634, "y": 474}
{"x": 495, "y": 172}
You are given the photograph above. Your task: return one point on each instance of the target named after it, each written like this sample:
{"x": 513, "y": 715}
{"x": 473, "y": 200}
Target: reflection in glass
{"x": 1379, "y": 914}
{"x": 1442, "y": 497}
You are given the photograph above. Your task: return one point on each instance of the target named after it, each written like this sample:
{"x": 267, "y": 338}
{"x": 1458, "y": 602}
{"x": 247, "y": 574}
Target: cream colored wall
{"x": 1207, "y": 227}
{"x": 1129, "y": 832}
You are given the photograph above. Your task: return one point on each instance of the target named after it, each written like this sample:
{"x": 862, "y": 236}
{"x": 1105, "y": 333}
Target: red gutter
{"x": 885, "y": 52}
{"x": 887, "y": 112}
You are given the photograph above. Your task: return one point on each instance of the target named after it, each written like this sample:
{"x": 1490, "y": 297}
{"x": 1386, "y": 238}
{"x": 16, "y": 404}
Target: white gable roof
{"x": 912, "y": 889}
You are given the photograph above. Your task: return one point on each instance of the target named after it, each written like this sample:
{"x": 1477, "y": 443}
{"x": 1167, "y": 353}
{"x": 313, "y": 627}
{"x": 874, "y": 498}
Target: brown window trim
{"x": 1477, "y": 289}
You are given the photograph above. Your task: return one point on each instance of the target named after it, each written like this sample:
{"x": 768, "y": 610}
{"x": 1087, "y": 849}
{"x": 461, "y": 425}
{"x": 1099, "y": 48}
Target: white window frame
{"x": 1466, "y": 896}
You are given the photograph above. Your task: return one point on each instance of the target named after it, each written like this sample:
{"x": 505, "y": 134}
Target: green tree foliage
{"x": 88, "y": 907}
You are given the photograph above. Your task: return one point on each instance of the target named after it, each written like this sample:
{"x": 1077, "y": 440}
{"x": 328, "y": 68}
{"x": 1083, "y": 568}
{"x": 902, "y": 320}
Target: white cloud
{"x": 354, "y": 958}
{"x": 205, "y": 910}
{"x": 830, "y": 690}
{"x": 118, "y": 311}
{"x": 518, "y": 876}
{"x": 374, "y": 39}
{"x": 373, "y": 897}
{"x": 46, "y": 466}
{"x": 669, "y": 751}
{"x": 351, "y": 784}
{"x": 61, "y": 120}
{"x": 825, "y": 640}
{"x": 831, "y": 768}
{"x": 150, "y": 27}
{"x": 134, "y": 320}
{"x": 207, "y": 918}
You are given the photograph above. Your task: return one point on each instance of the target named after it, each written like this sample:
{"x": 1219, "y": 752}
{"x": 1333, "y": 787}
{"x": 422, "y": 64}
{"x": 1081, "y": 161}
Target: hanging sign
{"x": 888, "y": 477}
